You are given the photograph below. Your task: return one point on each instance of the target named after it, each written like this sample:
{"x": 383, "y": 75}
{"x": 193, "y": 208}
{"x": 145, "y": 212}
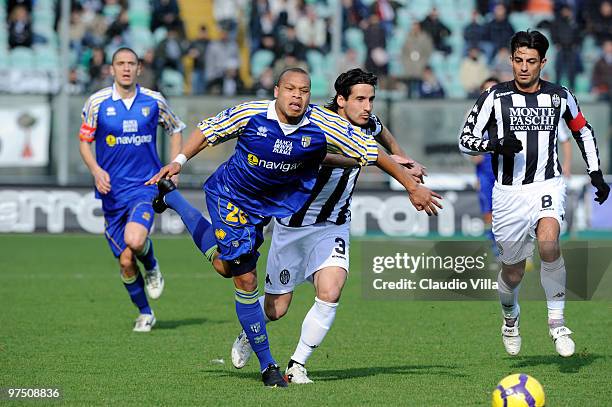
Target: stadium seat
{"x": 319, "y": 85}
{"x": 171, "y": 82}
{"x": 261, "y": 60}
{"x": 141, "y": 39}
{"x": 316, "y": 61}
{"x": 22, "y": 58}
{"x": 160, "y": 34}
{"x": 46, "y": 58}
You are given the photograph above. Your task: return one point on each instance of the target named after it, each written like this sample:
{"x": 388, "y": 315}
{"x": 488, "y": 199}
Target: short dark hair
{"x": 122, "y": 49}
{"x": 530, "y": 39}
{"x": 345, "y": 82}
{"x": 294, "y": 70}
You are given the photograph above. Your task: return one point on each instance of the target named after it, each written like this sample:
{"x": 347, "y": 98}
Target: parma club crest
{"x": 306, "y": 141}
{"x": 145, "y": 111}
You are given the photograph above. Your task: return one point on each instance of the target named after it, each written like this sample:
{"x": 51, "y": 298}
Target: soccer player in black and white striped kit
{"x": 522, "y": 120}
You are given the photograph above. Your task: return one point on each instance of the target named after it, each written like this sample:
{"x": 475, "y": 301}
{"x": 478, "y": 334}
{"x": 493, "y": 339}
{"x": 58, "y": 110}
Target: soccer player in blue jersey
{"x": 281, "y": 144}
{"x": 122, "y": 120}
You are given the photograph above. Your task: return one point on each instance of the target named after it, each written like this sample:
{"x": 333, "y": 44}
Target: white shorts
{"x": 516, "y": 212}
{"x": 297, "y": 253}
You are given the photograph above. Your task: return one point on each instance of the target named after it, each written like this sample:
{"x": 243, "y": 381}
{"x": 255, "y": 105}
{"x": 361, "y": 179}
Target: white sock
{"x": 508, "y": 297}
{"x": 316, "y": 324}
{"x": 552, "y": 276}
{"x": 262, "y": 301}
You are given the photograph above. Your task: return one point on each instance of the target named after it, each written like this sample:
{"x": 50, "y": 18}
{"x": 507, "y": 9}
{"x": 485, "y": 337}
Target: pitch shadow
{"x": 572, "y": 364}
{"x": 356, "y": 372}
{"x": 173, "y": 324}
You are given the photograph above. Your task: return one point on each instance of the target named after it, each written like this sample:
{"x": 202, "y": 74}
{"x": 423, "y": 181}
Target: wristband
{"x": 181, "y": 159}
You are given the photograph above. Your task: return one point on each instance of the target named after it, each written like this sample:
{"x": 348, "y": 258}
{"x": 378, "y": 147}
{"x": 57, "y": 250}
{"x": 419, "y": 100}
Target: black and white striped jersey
{"x": 330, "y": 199}
{"x": 533, "y": 118}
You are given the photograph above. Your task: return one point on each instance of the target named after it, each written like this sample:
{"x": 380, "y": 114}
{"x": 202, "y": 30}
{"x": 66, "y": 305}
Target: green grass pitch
{"x": 66, "y": 322}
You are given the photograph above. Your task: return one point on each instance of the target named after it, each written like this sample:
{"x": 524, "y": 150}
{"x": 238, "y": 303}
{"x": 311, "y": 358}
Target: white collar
{"x": 127, "y": 102}
{"x": 285, "y": 127}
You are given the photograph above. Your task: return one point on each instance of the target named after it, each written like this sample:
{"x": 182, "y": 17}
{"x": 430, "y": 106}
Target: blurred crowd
{"x": 406, "y": 53}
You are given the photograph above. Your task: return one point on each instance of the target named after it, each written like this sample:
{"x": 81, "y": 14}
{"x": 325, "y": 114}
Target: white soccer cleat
{"x": 144, "y": 323}
{"x": 297, "y": 374}
{"x": 564, "y": 345}
{"x": 241, "y": 351}
{"x": 154, "y": 282}
{"x": 511, "y": 337}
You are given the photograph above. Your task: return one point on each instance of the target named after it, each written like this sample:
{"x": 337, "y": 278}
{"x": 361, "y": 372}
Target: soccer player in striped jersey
{"x": 122, "y": 120}
{"x": 486, "y": 177}
{"x": 313, "y": 244}
{"x": 522, "y": 120}
{"x": 271, "y": 174}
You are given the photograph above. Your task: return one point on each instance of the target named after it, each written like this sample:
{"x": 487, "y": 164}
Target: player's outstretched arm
{"x": 176, "y": 143}
{"x": 195, "y": 143}
{"x": 101, "y": 177}
{"x": 421, "y": 197}
{"x": 337, "y": 160}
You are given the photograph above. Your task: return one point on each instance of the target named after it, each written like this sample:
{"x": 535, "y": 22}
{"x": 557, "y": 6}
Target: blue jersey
{"x": 126, "y": 139}
{"x": 275, "y": 165}
{"x": 484, "y": 170}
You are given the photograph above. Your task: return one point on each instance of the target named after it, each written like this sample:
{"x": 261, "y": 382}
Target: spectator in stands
{"x": 601, "y": 24}
{"x": 287, "y": 61}
{"x": 226, "y": 14}
{"x": 350, "y": 60}
{"x": 474, "y": 33}
{"x": 566, "y": 36}
{"x": 265, "y": 85}
{"x": 117, "y": 30}
{"x": 258, "y": 9}
{"x": 221, "y": 55}
{"x": 377, "y": 58}
{"x": 437, "y": 31}
{"x": 354, "y": 12}
{"x": 169, "y": 52}
{"x": 96, "y": 27}
{"x": 430, "y": 86}
{"x": 103, "y": 80}
{"x": 166, "y": 14}
{"x": 75, "y": 84}
{"x": 96, "y": 62}
{"x": 416, "y": 51}
{"x": 385, "y": 9}
{"x": 473, "y": 72}
{"x": 268, "y": 25}
{"x": 10, "y": 6}
{"x": 232, "y": 85}
{"x": 197, "y": 51}
{"x": 311, "y": 30}
{"x": 498, "y": 31}
{"x": 112, "y": 9}
{"x": 286, "y": 12}
{"x": 20, "y": 27}
{"x": 77, "y": 29}
{"x": 501, "y": 67}
{"x": 602, "y": 73}
{"x": 147, "y": 78}
{"x": 290, "y": 44}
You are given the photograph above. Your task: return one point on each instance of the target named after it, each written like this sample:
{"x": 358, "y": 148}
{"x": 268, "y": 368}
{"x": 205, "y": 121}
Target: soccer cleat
{"x": 511, "y": 336}
{"x": 154, "y": 282}
{"x": 297, "y": 374}
{"x": 144, "y": 323}
{"x": 272, "y": 378}
{"x": 164, "y": 186}
{"x": 564, "y": 345}
{"x": 241, "y": 351}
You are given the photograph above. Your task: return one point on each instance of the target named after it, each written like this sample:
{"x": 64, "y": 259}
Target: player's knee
{"x": 246, "y": 281}
{"x": 512, "y": 276}
{"x": 329, "y": 294}
{"x": 549, "y": 251}
{"x": 222, "y": 268}
{"x": 276, "y": 311}
{"x": 135, "y": 242}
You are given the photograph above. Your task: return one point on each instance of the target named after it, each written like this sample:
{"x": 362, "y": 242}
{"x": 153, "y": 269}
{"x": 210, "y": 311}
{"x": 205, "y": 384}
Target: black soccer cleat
{"x": 165, "y": 186}
{"x": 272, "y": 377}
